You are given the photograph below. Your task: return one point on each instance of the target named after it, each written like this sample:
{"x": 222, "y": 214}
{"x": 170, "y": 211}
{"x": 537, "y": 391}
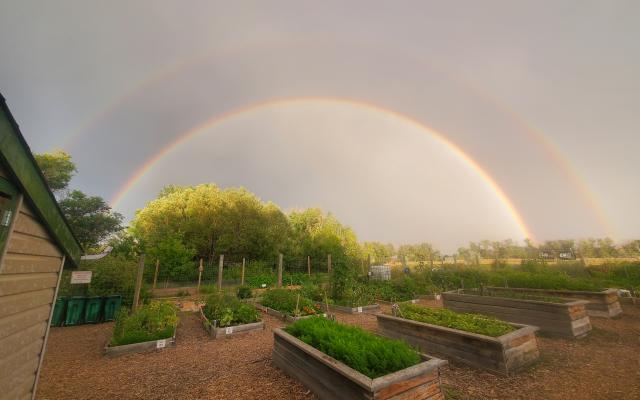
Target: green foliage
{"x": 402, "y": 289}
{"x": 111, "y": 275}
{"x": 153, "y": 321}
{"x": 90, "y": 218}
{"x": 466, "y": 322}
{"x": 368, "y": 354}
{"x": 57, "y": 168}
{"x": 418, "y": 252}
{"x": 289, "y": 302}
{"x": 229, "y": 311}
{"x": 176, "y": 259}
{"x": 244, "y": 292}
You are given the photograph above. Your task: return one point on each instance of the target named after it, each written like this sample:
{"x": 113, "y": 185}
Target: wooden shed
{"x": 35, "y": 244}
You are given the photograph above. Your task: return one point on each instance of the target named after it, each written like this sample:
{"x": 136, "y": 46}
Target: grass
{"x": 361, "y": 350}
{"x": 227, "y": 310}
{"x": 153, "y": 321}
{"x": 473, "y": 323}
{"x": 289, "y": 302}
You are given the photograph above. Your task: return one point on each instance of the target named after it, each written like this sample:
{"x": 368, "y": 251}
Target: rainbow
{"x": 186, "y": 136}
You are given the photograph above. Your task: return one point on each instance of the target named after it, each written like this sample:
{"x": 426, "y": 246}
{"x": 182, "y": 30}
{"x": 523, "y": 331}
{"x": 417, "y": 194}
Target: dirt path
{"x": 606, "y": 365}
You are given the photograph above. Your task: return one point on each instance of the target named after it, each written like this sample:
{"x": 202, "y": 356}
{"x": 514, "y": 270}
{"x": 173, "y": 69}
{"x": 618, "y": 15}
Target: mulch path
{"x": 605, "y": 365}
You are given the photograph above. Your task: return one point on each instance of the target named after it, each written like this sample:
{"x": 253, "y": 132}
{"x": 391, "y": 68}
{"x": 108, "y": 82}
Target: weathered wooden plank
{"x": 29, "y": 225}
{"x": 28, "y": 264}
{"x": 142, "y": 347}
{"x": 21, "y": 389}
{"x": 25, "y": 355}
{"x": 21, "y": 283}
{"x": 16, "y": 303}
{"x": 12, "y": 344}
{"x": 509, "y": 302}
{"x": 551, "y": 317}
{"x": 18, "y": 322}
{"x": 18, "y": 375}
{"x": 25, "y": 244}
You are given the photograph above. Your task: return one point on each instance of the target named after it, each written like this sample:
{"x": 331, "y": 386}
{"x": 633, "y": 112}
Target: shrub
{"x": 244, "y": 292}
{"x": 289, "y": 302}
{"x": 153, "y": 321}
{"x": 363, "y": 351}
{"x": 466, "y": 322}
{"x": 228, "y": 310}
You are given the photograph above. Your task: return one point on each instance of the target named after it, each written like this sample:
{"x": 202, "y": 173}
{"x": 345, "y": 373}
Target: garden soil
{"x": 605, "y": 365}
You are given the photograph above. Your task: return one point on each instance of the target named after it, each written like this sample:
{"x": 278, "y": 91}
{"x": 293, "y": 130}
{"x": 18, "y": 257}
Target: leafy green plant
{"x": 361, "y": 350}
{"x": 153, "y": 321}
{"x": 289, "y": 302}
{"x": 244, "y": 292}
{"x": 466, "y": 322}
{"x": 227, "y": 310}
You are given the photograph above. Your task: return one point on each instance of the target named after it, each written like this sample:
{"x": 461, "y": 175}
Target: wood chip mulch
{"x": 605, "y": 365}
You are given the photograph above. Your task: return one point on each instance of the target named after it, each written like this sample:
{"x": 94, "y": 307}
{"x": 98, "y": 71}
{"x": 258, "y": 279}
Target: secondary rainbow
{"x": 210, "y": 123}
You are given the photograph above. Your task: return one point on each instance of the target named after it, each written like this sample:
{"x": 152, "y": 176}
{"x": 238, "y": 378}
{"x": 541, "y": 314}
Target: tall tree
{"x": 57, "y": 168}
{"x": 90, "y": 218}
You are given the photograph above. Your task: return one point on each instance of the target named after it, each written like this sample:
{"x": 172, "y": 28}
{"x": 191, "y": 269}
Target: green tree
{"x": 57, "y": 168}
{"x": 90, "y": 218}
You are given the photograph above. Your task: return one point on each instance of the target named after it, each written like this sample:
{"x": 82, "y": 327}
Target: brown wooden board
{"x": 601, "y": 304}
{"x": 503, "y": 355}
{"x": 143, "y": 347}
{"x": 568, "y": 319}
{"x": 328, "y": 378}
{"x": 352, "y": 310}
{"x": 283, "y": 316}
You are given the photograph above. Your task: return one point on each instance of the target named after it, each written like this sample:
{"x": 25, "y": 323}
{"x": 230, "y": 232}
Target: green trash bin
{"x": 111, "y": 307}
{"x": 58, "y": 312}
{"x": 92, "y": 308}
{"x": 75, "y": 309}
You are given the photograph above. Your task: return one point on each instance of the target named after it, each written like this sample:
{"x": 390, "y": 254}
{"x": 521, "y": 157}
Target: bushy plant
{"x": 466, "y": 322}
{"x": 153, "y": 321}
{"x": 361, "y": 350}
{"x": 289, "y": 302}
{"x": 244, "y": 292}
{"x": 227, "y": 310}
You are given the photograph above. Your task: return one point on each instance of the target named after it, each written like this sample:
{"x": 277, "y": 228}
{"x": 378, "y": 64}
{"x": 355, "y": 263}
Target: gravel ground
{"x": 606, "y": 365}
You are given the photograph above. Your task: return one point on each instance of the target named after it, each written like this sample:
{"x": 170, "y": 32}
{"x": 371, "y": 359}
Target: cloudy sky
{"x": 410, "y": 121}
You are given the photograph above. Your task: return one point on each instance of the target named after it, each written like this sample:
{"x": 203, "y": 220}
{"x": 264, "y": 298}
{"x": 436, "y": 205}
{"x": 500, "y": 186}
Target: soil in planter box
{"x": 361, "y": 350}
{"x": 474, "y": 323}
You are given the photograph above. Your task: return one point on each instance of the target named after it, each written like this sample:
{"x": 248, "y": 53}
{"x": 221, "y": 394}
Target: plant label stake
{"x": 228, "y": 331}
{"x": 161, "y": 344}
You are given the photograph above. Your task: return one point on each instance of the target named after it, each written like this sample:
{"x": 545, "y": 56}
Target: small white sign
{"x": 264, "y": 285}
{"x": 359, "y": 309}
{"x": 81, "y": 276}
{"x": 437, "y": 297}
{"x": 228, "y": 331}
{"x": 161, "y": 344}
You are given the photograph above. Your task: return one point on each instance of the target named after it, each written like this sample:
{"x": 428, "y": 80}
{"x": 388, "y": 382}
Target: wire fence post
{"x": 242, "y": 274}
{"x": 155, "y": 275}
{"x": 280, "y": 270}
{"x": 329, "y": 263}
{"x": 200, "y": 269}
{"x": 220, "y": 267}
{"x": 136, "y": 295}
{"x": 309, "y": 265}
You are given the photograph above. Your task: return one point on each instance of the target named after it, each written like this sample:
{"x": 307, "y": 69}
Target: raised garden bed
{"x": 352, "y": 310}
{"x": 216, "y": 332}
{"x": 568, "y": 319}
{"x": 388, "y": 303}
{"x": 601, "y": 304}
{"x": 283, "y": 316}
{"x": 329, "y": 378}
{"x": 142, "y": 347}
{"x": 505, "y": 354}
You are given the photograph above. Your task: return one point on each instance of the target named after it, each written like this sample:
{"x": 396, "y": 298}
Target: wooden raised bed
{"x": 568, "y": 319}
{"x": 601, "y": 304}
{"x": 503, "y": 355}
{"x": 216, "y": 332}
{"x": 388, "y": 303}
{"x": 142, "y": 347}
{"x": 352, "y": 310}
{"x": 328, "y": 378}
{"x": 283, "y": 316}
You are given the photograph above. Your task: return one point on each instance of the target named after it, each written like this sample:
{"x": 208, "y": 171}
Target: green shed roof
{"x": 17, "y": 158}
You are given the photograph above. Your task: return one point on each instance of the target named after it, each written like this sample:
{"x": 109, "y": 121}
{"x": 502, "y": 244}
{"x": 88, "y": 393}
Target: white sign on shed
{"x": 81, "y": 276}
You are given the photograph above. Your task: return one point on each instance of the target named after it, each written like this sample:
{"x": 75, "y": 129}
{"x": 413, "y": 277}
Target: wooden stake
{"x": 309, "y": 265}
{"x": 136, "y": 295}
{"x": 329, "y": 263}
{"x": 242, "y": 274}
{"x": 200, "y": 269}
{"x": 220, "y": 267}
{"x": 280, "y": 270}
{"x": 155, "y": 275}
